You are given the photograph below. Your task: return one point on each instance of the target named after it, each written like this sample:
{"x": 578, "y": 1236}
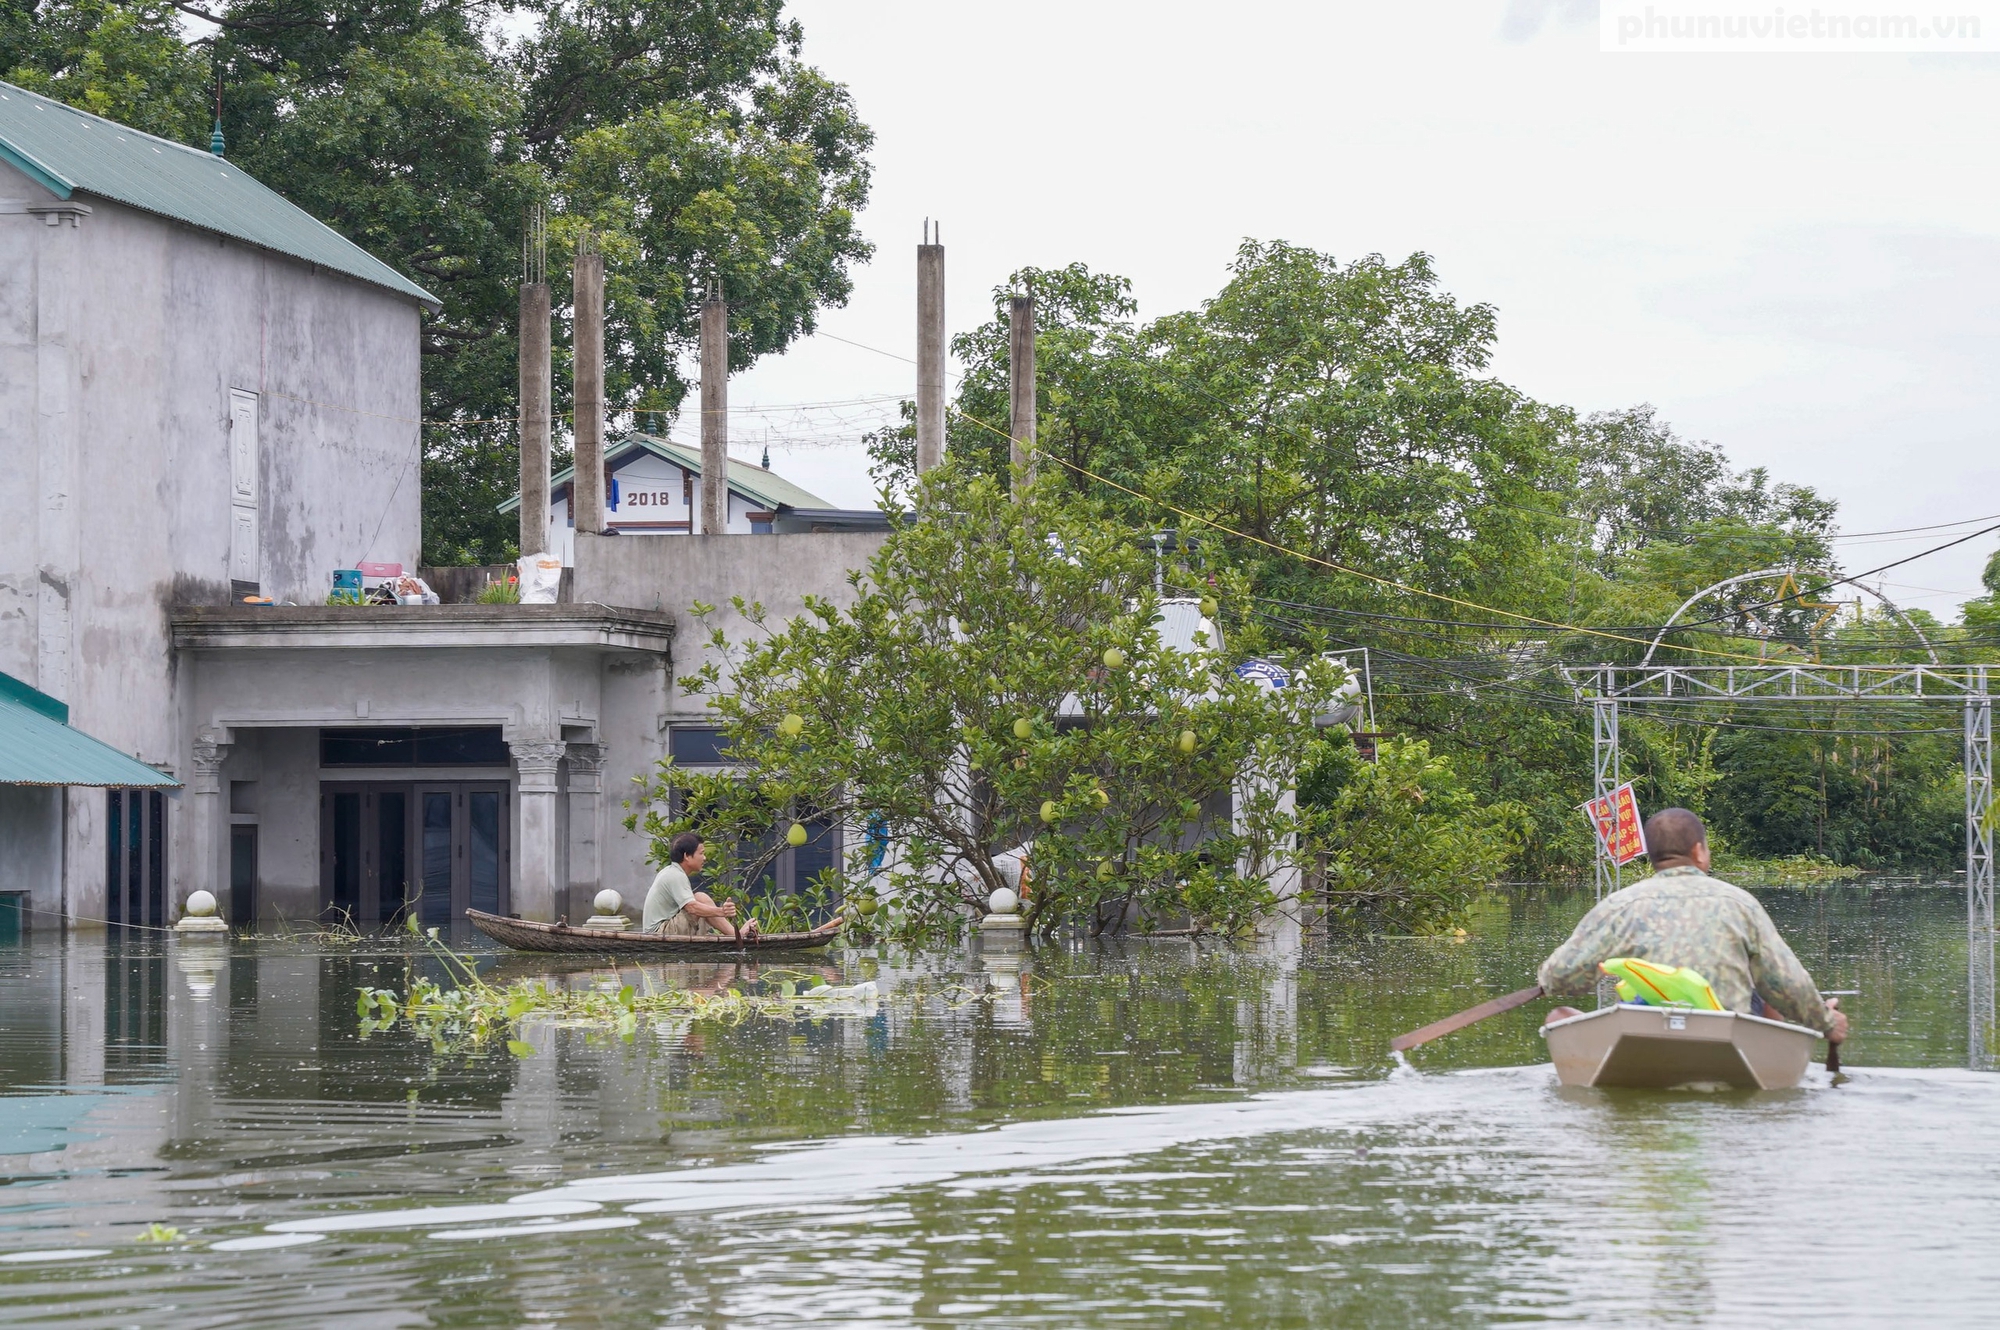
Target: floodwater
{"x": 1147, "y": 1134}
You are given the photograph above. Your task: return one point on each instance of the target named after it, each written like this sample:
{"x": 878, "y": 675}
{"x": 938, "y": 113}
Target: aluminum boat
{"x": 1663, "y": 1048}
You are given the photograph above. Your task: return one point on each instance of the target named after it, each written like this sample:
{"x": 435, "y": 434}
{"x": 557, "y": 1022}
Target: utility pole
{"x": 1021, "y": 382}
{"x": 714, "y": 415}
{"x": 536, "y": 386}
{"x": 587, "y": 380}
{"x": 930, "y": 351}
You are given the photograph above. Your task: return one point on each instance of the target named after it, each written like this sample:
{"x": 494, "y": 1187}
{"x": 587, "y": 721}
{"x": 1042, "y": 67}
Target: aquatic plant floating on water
{"x": 471, "y": 1015}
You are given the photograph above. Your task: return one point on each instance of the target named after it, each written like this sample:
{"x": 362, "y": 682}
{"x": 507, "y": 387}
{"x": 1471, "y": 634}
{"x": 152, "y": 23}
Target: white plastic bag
{"x": 541, "y": 574}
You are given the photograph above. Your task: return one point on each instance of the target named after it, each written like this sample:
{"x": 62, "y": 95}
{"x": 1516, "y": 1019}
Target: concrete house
{"x": 205, "y": 393}
{"x": 654, "y": 489}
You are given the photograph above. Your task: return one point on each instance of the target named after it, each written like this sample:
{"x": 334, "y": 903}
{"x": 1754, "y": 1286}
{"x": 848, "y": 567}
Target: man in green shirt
{"x": 675, "y": 909}
{"x": 1682, "y": 916}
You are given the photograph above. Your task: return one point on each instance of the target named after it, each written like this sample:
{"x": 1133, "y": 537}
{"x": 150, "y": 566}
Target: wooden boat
{"x": 527, "y": 935}
{"x": 1662, "y": 1048}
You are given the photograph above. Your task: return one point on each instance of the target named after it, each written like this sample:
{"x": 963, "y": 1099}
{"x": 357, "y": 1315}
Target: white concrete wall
{"x": 651, "y": 489}
{"x": 31, "y": 818}
{"x": 778, "y": 572}
{"x": 120, "y": 340}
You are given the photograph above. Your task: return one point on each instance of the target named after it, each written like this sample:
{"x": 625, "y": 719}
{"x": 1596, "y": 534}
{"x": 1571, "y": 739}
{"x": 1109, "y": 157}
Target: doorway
{"x": 243, "y": 877}
{"x": 387, "y": 848}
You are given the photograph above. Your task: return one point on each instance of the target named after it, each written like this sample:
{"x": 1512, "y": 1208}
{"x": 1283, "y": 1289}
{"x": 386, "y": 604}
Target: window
{"x": 440, "y": 746}
{"x": 698, "y": 746}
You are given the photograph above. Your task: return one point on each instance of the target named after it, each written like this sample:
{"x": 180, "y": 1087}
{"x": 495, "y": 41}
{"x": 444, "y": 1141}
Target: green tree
{"x": 692, "y": 138}
{"x": 122, "y": 60}
{"x": 1403, "y": 841}
{"x": 1000, "y": 679}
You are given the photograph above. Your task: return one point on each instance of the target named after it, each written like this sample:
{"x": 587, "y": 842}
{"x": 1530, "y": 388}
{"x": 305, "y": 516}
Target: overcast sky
{"x": 1796, "y": 256}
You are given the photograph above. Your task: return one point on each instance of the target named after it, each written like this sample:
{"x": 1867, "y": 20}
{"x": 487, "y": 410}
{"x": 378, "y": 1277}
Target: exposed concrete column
{"x": 586, "y": 788}
{"x": 208, "y": 813}
{"x": 536, "y": 390}
{"x": 537, "y": 857}
{"x": 714, "y": 416}
{"x": 1021, "y": 381}
{"x": 587, "y": 346}
{"x": 930, "y": 354}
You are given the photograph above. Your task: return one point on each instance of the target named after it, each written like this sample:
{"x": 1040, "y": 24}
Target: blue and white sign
{"x": 1271, "y": 676}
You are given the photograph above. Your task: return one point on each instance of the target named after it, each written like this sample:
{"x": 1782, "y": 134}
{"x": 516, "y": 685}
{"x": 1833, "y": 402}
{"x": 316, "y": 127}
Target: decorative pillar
{"x": 586, "y": 789}
{"x": 207, "y": 811}
{"x": 537, "y": 857}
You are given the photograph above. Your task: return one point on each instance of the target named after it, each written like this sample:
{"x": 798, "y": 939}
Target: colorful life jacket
{"x": 1660, "y": 985}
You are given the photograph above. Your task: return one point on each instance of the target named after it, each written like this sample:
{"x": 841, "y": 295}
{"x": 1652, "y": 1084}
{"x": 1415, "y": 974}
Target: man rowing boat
{"x": 1682, "y": 917}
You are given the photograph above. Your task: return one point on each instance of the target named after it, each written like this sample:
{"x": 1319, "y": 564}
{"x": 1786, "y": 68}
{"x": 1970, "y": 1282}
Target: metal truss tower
{"x": 1609, "y": 687}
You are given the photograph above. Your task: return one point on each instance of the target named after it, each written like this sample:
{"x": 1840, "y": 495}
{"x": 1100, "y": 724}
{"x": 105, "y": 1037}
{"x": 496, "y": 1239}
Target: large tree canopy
{"x": 690, "y": 138}
{"x": 1331, "y": 432}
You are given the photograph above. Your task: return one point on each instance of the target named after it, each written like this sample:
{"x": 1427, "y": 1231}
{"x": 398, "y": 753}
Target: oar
{"x": 1833, "y": 1049}
{"x": 1404, "y": 1042}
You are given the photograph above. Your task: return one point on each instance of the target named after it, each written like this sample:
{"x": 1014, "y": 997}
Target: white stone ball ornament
{"x": 608, "y": 902}
{"x": 1003, "y": 901}
{"x": 201, "y": 904}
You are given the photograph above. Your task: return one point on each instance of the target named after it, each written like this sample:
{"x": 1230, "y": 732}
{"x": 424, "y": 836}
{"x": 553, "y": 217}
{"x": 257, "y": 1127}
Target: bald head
{"x": 1672, "y": 835}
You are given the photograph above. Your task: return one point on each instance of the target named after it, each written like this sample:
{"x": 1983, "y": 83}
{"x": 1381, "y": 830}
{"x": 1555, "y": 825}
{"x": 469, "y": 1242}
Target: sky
{"x": 1795, "y": 256}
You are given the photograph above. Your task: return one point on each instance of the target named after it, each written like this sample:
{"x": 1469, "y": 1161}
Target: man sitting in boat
{"x": 1682, "y": 917}
{"x": 675, "y": 909}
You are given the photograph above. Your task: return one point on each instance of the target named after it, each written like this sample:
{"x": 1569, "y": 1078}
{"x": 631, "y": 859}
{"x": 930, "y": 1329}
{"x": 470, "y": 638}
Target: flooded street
{"x": 1147, "y": 1133}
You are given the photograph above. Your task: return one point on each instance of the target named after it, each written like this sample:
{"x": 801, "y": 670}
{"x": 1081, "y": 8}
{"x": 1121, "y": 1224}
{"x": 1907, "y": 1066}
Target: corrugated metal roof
{"x": 68, "y": 151}
{"x": 37, "y": 746}
{"x": 753, "y": 482}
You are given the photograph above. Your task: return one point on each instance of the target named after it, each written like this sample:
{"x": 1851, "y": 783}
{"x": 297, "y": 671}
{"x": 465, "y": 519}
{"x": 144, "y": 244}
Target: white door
{"x": 242, "y": 544}
{"x": 244, "y": 457}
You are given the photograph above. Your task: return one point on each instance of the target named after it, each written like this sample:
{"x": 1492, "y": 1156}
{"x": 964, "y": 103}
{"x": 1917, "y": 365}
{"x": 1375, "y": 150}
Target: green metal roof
{"x": 753, "y": 482}
{"x": 37, "y": 746}
{"x": 68, "y": 151}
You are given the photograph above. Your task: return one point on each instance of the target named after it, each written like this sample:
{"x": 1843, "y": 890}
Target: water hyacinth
{"x": 470, "y": 1015}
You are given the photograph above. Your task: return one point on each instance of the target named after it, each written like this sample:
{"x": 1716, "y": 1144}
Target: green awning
{"x": 37, "y": 746}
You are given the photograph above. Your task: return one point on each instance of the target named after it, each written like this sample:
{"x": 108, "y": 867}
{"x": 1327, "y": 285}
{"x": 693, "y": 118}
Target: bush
{"x": 1404, "y": 844}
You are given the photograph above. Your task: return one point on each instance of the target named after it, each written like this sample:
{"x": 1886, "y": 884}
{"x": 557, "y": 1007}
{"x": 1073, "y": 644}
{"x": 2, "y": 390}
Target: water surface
{"x": 1146, "y": 1133}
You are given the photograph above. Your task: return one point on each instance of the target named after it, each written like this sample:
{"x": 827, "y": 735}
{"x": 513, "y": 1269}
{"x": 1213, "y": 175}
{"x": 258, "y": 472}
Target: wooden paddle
{"x": 1404, "y": 1042}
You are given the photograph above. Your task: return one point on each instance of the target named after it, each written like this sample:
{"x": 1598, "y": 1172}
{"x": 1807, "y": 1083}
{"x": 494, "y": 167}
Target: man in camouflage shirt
{"x": 1682, "y": 916}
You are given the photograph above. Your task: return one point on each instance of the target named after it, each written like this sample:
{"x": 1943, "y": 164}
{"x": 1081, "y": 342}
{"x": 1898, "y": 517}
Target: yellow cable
{"x": 1342, "y": 568}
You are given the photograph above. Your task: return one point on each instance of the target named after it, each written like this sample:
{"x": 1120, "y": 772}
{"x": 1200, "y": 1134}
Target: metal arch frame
{"x": 1610, "y": 687}
{"x": 1762, "y": 573}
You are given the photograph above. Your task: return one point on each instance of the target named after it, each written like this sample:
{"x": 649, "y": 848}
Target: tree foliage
{"x": 1000, "y": 679}
{"x": 1403, "y": 841}
{"x": 691, "y": 140}
{"x": 1330, "y": 432}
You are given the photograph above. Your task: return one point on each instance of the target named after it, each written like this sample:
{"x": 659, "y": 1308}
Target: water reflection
{"x": 1063, "y": 1136}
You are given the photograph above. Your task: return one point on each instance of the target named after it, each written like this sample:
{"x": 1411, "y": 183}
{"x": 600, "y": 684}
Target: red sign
{"x": 1619, "y": 831}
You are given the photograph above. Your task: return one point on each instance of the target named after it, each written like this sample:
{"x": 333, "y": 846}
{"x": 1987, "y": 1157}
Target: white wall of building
{"x": 122, "y": 338}
{"x": 652, "y": 501}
